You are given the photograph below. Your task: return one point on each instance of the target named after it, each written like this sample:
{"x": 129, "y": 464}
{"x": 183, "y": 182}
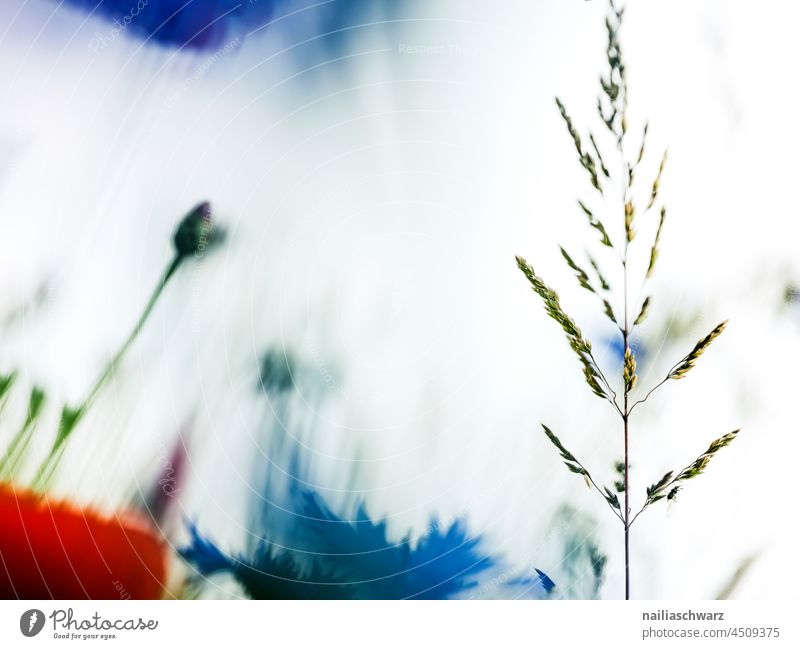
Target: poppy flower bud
{"x": 194, "y": 232}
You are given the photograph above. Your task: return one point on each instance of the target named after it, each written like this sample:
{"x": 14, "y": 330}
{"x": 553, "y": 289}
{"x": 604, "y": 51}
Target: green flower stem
{"x": 19, "y": 444}
{"x": 112, "y": 366}
{"x": 6, "y": 381}
{"x": 47, "y": 470}
{"x": 70, "y": 417}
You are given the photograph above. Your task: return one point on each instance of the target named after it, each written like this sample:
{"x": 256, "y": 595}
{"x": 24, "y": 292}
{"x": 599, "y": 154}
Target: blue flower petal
{"x": 204, "y": 555}
{"x": 198, "y": 24}
{"x": 343, "y": 559}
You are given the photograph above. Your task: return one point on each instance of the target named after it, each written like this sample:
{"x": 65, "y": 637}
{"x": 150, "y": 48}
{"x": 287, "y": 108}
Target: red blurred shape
{"x": 51, "y": 549}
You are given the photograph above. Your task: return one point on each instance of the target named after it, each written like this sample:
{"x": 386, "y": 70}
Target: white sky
{"x": 374, "y": 206}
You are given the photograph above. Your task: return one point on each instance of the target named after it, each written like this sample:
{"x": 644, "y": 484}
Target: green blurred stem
{"x": 6, "y": 381}
{"x": 19, "y": 444}
{"x": 71, "y": 416}
{"x": 112, "y": 366}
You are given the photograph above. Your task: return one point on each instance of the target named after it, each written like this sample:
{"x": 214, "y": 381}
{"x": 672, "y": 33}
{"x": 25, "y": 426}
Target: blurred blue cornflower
{"x": 613, "y": 344}
{"x": 198, "y": 24}
{"x": 301, "y": 549}
{"x": 208, "y": 24}
{"x": 335, "y": 558}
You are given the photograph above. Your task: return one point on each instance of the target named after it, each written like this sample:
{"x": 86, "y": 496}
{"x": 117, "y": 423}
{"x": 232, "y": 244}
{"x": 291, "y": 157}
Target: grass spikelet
{"x": 655, "y": 491}
{"x": 599, "y": 156}
{"x": 632, "y": 168}
{"x": 614, "y": 84}
{"x": 599, "y": 274}
{"x": 569, "y": 459}
{"x": 577, "y": 342}
{"x": 596, "y": 224}
{"x": 609, "y": 311}
{"x": 643, "y": 311}
{"x": 691, "y": 358}
{"x": 575, "y": 466}
{"x": 654, "y": 250}
{"x": 584, "y": 157}
{"x": 583, "y": 278}
{"x": 657, "y": 181}
{"x": 630, "y": 212}
{"x": 629, "y": 371}
{"x": 640, "y": 157}
{"x": 611, "y": 498}
{"x": 576, "y": 138}
{"x": 668, "y": 487}
{"x": 722, "y": 442}
{"x": 608, "y": 120}
{"x": 553, "y": 307}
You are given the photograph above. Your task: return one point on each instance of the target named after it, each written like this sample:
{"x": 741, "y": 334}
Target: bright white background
{"x": 374, "y": 205}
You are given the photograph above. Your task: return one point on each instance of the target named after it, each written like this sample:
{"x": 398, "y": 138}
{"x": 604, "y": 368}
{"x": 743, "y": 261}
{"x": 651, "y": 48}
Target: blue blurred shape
{"x": 334, "y": 558}
{"x": 617, "y": 350}
{"x": 197, "y": 24}
{"x": 547, "y": 583}
{"x": 299, "y": 548}
{"x": 323, "y": 27}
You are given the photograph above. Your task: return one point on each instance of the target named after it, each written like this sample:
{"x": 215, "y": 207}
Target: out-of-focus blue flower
{"x": 547, "y": 583}
{"x": 199, "y": 24}
{"x": 208, "y": 24}
{"x": 301, "y": 549}
{"x": 617, "y": 351}
{"x": 334, "y": 558}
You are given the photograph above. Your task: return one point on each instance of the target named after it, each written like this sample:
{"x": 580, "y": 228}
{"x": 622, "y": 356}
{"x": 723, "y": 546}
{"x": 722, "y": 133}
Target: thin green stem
{"x": 663, "y": 489}
{"x": 112, "y": 365}
{"x": 613, "y": 399}
{"x": 15, "y": 451}
{"x": 625, "y": 333}
{"x": 600, "y": 491}
{"x": 70, "y": 417}
{"x": 658, "y": 385}
{"x": 627, "y": 511}
{"x": 649, "y": 393}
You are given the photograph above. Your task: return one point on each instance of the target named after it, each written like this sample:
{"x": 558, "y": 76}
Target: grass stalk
{"x": 612, "y": 109}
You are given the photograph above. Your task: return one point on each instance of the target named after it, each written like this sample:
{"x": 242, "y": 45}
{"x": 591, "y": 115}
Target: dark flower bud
{"x": 194, "y": 233}
{"x": 277, "y": 372}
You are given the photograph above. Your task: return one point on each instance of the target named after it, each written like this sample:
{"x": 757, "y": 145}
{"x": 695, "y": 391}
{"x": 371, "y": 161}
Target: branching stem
{"x": 625, "y": 416}
{"x": 599, "y": 490}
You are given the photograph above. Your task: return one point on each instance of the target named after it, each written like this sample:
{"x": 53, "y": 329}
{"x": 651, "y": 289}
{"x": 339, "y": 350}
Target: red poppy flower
{"x": 52, "y": 549}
